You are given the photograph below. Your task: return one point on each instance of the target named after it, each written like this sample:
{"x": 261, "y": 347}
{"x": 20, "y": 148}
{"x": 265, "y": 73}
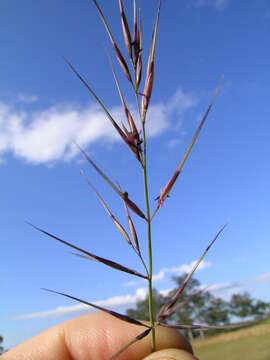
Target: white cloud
{"x": 130, "y": 283}
{"x": 175, "y": 270}
{"x": 159, "y": 276}
{"x": 186, "y": 268}
{"x": 225, "y": 289}
{"x": 121, "y": 301}
{"x": 165, "y": 292}
{"x": 27, "y": 98}
{"x": 217, "y": 4}
{"x": 47, "y": 136}
{"x": 114, "y": 302}
{"x": 173, "y": 143}
{"x": 179, "y": 270}
{"x": 58, "y": 312}
{"x": 263, "y": 278}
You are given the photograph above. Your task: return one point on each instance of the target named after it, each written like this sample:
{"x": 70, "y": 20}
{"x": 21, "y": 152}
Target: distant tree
{"x": 141, "y": 310}
{"x": 241, "y": 305}
{"x": 260, "y": 309}
{"x": 198, "y": 306}
{"x": 216, "y": 312}
{"x": 190, "y": 305}
{"x": 188, "y": 301}
{"x": 1, "y": 347}
{"x": 195, "y": 306}
{"x": 192, "y": 302}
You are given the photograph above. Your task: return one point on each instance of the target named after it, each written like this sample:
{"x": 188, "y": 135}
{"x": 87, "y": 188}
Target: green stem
{"x": 150, "y": 271}
{"x": 151, "y": 312}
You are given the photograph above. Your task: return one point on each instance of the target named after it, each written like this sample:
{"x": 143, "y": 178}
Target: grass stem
{"x": 148, "y": 216}
{"x": 151, "y": 312}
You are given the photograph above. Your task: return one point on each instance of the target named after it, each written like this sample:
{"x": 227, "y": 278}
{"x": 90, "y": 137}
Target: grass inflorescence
{"x": 135, "y": 137}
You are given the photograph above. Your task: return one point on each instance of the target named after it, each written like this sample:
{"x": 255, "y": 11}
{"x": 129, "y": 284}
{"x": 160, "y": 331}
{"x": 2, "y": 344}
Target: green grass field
{"x": 252, "y": 343}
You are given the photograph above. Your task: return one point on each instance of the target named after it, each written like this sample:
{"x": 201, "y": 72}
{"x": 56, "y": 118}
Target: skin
{"x": 171, "y": 354}
{"x": 96, "y": 336}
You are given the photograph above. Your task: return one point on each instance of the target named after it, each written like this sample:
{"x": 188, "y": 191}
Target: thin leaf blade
{"x": 113, "y": 218}
{"x": 149, "y": 80}
{"x": 123, "y": 195}
{"x": 107, "y": 262}
{"x": 131, "y": 342}
{"x": 139, "y": 71}
{"x": 199, "y": 326}
{"x": 132, "y": 229}
{"x": 125, "y": 28}
{"x": 133, "y": 206}
{"x": 87, "y": 257}
{"x": 132, "y": 137}
{"x": 100, "y": 172}
{"x": 119, "y": 56}
{"x": 177, "y": 294}
{"x": 178, "y": 305}
{"x": 166, "y": 190}
{"x": 110, "y": 312}
{"x": 135, "y": 33}
{"x": 106, "y": 111}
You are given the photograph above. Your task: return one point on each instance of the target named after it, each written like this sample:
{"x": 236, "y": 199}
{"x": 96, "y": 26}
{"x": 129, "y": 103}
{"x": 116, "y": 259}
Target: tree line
{"x": 1, "y": 347}
{"x": 200, "y": 306}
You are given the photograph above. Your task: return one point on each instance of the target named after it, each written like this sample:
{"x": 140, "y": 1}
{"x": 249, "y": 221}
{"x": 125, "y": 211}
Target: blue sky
{"x": 43, "y": 109}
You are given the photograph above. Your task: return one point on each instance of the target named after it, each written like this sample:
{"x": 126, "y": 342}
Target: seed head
{"x": 125, "y": 27}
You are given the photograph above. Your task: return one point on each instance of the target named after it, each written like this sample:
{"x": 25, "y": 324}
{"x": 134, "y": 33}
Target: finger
{"x": 96, "y": 336}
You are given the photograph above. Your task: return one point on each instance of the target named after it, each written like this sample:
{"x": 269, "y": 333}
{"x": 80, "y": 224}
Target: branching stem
{"x": 141, "y": 258}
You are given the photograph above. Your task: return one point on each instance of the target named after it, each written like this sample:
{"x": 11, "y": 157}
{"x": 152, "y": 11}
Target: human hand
{"x": 97, "y": 336}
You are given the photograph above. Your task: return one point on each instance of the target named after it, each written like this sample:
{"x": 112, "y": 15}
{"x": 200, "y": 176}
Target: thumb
{"x": 171, "y": 354}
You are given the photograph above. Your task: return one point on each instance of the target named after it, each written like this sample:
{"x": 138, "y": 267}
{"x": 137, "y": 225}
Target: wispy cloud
{"x": 175, "y": 270}
{"x": 217, "y": 4}
{"x": 263, "y": 278}
{"x": 224, "y": 289}
{"x": 114, "y": 302}
{"x": 47, "y": 136}
{"x": 173, "y": 143}
{"x": 27, "y": 98}
{"x": 179, "y": 270}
